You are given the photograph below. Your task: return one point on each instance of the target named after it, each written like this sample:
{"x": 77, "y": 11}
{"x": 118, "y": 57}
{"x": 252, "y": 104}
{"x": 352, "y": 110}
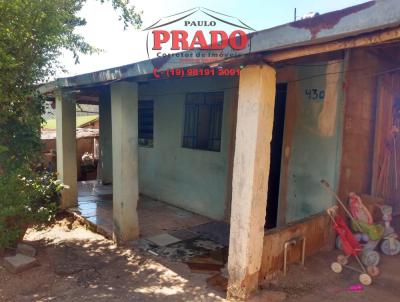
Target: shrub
{"x": 33, "y": 36}
{"x": 26, "y": 201}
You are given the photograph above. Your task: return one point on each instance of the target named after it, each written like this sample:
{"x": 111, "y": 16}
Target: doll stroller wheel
{"x": 373, "y": 271}
{"x": 365, "y": 279}
{"x": 370, "y": 258}
{"x": 336, "y": 267}
{"x": 390, "y": 246}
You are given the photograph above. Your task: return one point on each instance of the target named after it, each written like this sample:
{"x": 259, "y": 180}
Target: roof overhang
{"x": 349, "y": 22}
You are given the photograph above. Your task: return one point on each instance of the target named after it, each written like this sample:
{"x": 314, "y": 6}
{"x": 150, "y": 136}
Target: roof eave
{"x": 352, "y": 21}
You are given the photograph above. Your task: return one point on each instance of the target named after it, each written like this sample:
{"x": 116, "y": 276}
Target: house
{"x": 87, "y": 134}
{"x": 316, "y": 99}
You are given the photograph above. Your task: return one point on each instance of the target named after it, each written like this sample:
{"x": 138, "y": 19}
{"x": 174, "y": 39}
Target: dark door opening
{"x": 276, "y": 155}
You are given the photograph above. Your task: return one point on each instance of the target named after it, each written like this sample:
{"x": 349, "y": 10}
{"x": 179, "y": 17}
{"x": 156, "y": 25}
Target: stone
{"x": 26, "y": 249}
{"x": 163, "y": 239}
{"x": 19, "y": 263}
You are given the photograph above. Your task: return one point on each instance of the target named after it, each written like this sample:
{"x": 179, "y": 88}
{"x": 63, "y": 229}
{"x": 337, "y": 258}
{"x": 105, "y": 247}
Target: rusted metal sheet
{"x": 367, "y": 17}
{"x": 329, "y": 20}
{"x": 316, "y": 230}
{"x": 368, "y": 39}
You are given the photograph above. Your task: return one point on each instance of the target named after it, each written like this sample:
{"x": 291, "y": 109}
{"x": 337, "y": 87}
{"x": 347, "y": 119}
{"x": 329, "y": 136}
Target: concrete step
{"x": 19, "y": 263}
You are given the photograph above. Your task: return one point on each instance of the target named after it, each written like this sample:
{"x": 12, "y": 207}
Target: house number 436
{"x": 315, "y": 94}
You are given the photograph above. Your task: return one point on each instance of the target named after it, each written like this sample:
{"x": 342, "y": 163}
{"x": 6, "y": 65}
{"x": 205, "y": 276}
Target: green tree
{"x": 33, "y": 33}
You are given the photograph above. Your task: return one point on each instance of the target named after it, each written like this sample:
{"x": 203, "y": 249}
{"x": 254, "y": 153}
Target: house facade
{"x": 249, "y": 149}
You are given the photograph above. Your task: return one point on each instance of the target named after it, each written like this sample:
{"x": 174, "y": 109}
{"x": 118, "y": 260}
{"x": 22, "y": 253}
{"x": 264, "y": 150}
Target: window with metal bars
{"x": 203, "y": 121}
{"x": 146, "y": 122}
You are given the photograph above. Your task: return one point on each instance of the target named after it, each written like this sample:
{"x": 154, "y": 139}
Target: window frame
{"x": 145, "y": 142}
{"x": 208, "y": 100}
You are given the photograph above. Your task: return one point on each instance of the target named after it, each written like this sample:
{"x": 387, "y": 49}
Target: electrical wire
{"x": 299, "y": 79}
{"x": 348, "y": 71}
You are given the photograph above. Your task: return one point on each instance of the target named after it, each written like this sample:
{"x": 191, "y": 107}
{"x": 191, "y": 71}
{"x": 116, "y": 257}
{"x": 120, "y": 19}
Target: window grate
{"x": 203, "y": 121}
{"x": 146, "y": 122}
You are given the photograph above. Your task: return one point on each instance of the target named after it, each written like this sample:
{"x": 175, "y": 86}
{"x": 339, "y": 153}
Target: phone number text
{"x": 195, "y": 72}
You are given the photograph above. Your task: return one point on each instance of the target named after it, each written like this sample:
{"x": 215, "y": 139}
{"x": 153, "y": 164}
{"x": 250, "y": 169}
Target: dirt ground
{"x": 79, "y": 265}
{"x": 316, "y": 282}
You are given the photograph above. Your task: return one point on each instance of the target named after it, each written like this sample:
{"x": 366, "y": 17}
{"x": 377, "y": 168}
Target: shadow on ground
{"x": 317, "y": 282}
{"x": 78, "y": 265}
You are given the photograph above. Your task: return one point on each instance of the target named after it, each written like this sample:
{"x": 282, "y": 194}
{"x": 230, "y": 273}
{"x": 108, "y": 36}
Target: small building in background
{"x": 87, "y": 155}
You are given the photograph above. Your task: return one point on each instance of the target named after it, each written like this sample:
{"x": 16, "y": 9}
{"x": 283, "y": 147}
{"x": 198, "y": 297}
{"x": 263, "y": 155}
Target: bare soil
{"x": 79, "y": 265}
{"x": 317, "y": 282}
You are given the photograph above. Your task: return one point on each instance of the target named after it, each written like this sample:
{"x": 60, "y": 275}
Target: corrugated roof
{"x": 80, "y": 133}
{"x": 363, "y": 18}
{"x": 80, "y": 121}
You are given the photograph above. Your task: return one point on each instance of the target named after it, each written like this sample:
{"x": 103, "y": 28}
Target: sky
{"x": 121, "y": 47}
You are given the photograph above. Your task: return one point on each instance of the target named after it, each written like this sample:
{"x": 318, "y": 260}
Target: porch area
{"x": 155, "y": 217}
{"x": 166, "y": 231}
{"x": 212, "y": 174}
{"x": 269, "y": 121}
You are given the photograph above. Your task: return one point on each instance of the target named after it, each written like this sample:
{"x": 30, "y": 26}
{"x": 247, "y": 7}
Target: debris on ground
{"x": 209, "y": 263}
{"x": 216, "y": 231}
{"x": 218, "y": 281}
{"x": 79, "y": 265}
{"x": 356, "y": 288}
{"x": 181, "y": 251}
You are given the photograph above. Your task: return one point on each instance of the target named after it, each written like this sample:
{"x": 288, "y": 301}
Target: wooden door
{"x": 386, "y": 164}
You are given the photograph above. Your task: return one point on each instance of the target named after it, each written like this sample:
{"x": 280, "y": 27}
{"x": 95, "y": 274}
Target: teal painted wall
{"x": 197, "y": 180}
{"x": 191, "y": 179}
{"x": 317, "y": 139}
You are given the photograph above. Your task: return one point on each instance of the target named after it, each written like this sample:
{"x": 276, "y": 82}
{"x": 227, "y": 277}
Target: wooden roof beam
{"x": 370, "y": 39}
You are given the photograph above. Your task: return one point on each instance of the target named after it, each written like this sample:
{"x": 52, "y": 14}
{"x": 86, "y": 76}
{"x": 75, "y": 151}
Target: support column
{"x": 66, "y": 148}
{"x": 105, "y": 137}
{"x": 124, "y": 110}
{"x": 250, "y": 178}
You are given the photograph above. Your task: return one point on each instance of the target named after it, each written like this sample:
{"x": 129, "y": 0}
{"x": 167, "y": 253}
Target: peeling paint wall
{"x": 195, "y": 180}
{"x": 359, "y": 124}
{"x": 315, "y": 229}
{"x": 313, "y": 151}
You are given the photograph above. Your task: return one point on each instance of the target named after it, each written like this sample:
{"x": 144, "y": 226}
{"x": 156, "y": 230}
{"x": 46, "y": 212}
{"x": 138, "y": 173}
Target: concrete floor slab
{"x": 155, "y": 217}
{"x": 163, "y": 239}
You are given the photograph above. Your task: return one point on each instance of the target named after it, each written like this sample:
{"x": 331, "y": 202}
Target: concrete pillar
{"x": 124, "y": 110}
{"x": 66, "y": 148}
{"x": 105, "y": 137}
{"x": 255, "y": 116}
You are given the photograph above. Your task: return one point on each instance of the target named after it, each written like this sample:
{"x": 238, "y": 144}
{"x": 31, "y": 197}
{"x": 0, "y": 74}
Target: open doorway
{"x": 276, "y": 155}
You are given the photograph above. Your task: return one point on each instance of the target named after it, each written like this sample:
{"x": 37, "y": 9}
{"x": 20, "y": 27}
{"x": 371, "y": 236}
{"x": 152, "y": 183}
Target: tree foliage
{"x": 33, "y": 33}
